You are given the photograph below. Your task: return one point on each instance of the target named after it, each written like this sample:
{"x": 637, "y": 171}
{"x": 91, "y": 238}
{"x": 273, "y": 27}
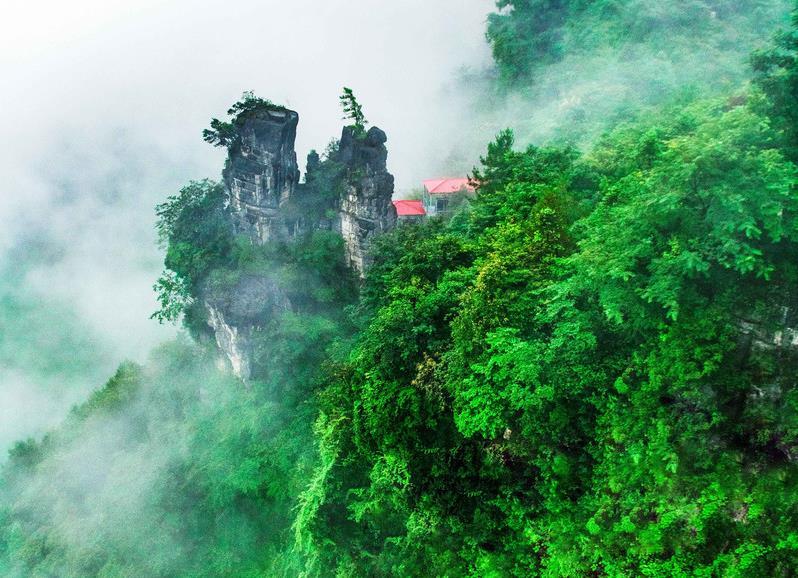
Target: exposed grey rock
{"x": 779, "y": 330}
{"x": 261, "y": 173}
{"x": 236, "y": 312}
{"x": 235, "y": 343}
{"x": 266, "y": 201}
{"x": 365, "y": 208}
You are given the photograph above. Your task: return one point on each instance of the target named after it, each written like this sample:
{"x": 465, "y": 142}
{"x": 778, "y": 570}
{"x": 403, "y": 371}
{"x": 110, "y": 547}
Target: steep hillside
{"x": 588, "y": 370}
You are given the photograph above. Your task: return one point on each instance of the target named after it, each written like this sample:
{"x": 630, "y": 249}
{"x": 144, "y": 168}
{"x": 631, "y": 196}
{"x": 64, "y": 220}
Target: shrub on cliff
{"x": 228, "y": 133}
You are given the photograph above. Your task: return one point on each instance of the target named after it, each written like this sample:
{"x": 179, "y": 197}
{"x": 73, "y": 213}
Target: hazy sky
{"x": 114, "y": 94}
{"x": 164, "y": 67}
{"x": 103, "y": 103}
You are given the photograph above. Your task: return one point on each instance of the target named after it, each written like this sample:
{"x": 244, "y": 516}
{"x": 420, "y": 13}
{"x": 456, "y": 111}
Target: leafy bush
{"x": 194, "y": 227}
{"x": 228, "y": 133}
{"x": 528, "y": 35}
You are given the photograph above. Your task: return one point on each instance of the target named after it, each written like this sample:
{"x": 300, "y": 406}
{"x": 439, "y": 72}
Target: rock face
{"x": 365, "y": 208}
{"x": 776, "y": 331}
{"x": 261, "y": 173}
{"x": 261, "y": 178}
{"x": 235, "y": 314}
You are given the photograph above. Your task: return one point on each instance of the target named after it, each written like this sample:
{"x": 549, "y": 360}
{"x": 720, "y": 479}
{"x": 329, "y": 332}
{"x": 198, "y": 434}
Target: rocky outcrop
{"x": 268, "y": 204}
{"x": 261, "y": 173}
{"x": 237, "y": 311}
{"x": 260, "y": 176}
{"x": 776, "y": 330}
{"x": 234, "y": 343}
{"x": 365, "y": 208}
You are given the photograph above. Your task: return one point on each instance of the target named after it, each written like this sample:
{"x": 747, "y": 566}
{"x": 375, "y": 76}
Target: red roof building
{"x": 447, "y": 186}
{"x": 409, "y": 208}
{"x": 438, "y": 193}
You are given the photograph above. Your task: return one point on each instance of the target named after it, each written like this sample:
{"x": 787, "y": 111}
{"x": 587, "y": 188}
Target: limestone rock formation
{"x": 774, "y": 329}
{"x": 268, "y": 204}
{"x": 235, "y": 314}
{"x": 261, "y": 173}
{"x": 365, "y": 208}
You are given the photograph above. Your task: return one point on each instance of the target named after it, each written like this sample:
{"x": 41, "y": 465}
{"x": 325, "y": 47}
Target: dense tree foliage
{"x": 776, "y": 74}
{"x": 169, "y": 470}
{"x": 527, "y": 35}
{"x": 589, "y": 373}
{"x": 193, "y": 226}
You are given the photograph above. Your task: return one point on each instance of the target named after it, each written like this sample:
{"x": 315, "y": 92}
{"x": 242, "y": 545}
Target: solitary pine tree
{"x": 353, "y": 110}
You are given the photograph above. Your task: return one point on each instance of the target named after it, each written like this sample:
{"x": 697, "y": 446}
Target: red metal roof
{"x": 447, "y": 186}
{"x": 409, "y": 208}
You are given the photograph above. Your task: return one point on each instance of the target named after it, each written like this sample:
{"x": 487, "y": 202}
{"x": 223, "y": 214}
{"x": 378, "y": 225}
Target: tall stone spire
{"x": 261, "y": 173}
{"x": 365, "y": 208}
{"x": 268, "y": 204}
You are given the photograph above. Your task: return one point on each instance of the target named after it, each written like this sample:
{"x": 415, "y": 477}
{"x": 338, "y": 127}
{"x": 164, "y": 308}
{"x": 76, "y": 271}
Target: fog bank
{"x": 103, "y": 105}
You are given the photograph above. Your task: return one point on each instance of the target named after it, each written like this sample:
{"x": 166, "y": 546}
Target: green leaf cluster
{"x": 228, "y": 133}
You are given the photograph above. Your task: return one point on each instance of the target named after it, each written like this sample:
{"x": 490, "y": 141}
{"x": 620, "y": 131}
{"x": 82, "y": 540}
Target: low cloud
{"x": 103, "y": 106}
